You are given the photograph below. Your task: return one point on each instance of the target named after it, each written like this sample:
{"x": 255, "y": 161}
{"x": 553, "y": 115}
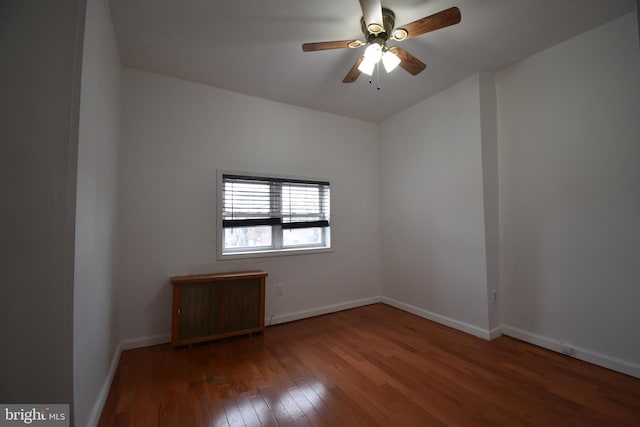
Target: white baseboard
{"x": 96, "y": 411}
{"x": 577, "y": 352}
{"x": 495, "y": 333}
{"x": 447, "y": 321}
{"x": 583, "y": 354}
{"x": 145, "y": 341}
{"x": 318, "y": 311}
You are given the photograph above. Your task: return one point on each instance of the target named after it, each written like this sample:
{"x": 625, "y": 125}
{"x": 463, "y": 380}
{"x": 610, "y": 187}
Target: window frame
{"x": 276, "y": 248}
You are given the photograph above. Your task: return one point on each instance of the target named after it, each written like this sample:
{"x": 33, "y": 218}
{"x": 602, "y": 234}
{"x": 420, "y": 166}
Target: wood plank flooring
{"x": 369, "y": 366}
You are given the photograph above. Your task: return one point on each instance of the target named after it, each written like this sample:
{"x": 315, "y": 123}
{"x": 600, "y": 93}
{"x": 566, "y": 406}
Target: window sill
{"x": 272, "y": 253}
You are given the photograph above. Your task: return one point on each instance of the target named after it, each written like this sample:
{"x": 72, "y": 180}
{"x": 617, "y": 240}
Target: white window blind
{"x": 250, "y": 201}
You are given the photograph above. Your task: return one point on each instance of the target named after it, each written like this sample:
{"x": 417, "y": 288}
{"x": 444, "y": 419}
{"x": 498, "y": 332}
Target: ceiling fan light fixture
{"x": 400, "y": 34}
{"x": 373, "y": 53}
{"x": 375, "y": 28}
{"x": 390, "y": 61}
{"x": 367, "y": 66}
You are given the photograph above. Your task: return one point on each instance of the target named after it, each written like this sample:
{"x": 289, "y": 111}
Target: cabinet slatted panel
{"x": 200, "y": 312}
{"x": 244, "y": 297}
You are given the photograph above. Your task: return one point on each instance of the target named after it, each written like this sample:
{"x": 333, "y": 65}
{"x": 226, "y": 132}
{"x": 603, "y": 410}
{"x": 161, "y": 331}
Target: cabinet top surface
{"x": 195, "y": 278}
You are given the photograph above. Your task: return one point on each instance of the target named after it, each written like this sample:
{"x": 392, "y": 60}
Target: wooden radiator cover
{"x": 213, "y": 306}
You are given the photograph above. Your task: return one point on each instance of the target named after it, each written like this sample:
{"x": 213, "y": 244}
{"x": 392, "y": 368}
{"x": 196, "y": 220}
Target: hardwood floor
{"x": 373, "y": 365}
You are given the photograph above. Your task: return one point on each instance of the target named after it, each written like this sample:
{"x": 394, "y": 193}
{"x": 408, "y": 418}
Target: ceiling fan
{"x": 378, "y": 27}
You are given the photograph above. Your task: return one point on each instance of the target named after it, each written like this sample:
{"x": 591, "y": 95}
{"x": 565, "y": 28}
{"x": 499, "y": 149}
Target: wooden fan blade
{"x": 353, "y": 73}
{"x": 407, "y": 61}
{"x": 339, "y": 44}
{"x": 429, "y": 23}
{"x": 372, "y": 12}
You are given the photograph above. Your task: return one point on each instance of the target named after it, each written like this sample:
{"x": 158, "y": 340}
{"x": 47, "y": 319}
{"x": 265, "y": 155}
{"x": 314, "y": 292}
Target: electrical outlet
{"x": 280, "y": 289}
{"x": 494, "y": 296}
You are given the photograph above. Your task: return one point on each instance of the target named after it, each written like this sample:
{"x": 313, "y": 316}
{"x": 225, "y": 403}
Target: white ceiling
{"x": 254, "y": 46}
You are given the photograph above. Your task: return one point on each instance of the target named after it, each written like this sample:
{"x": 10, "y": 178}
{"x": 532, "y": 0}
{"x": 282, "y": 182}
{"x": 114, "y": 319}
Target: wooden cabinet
{"x": 213, "y": 306}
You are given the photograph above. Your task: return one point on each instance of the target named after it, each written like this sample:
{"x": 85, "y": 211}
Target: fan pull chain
{"x": 377, "y": 72}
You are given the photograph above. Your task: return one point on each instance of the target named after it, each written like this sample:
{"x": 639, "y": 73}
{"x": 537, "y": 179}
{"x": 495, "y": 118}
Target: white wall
{"x": 40, "y": 74}
{"x": 94, "y": 337}
{"x": 433, "y": 251}
{"x": 175, "y": 134}
{"x": 569, "y": 155}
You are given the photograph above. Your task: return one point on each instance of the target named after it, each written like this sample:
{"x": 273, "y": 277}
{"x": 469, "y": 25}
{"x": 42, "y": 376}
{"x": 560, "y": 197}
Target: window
{"x": 268, "y": 215}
